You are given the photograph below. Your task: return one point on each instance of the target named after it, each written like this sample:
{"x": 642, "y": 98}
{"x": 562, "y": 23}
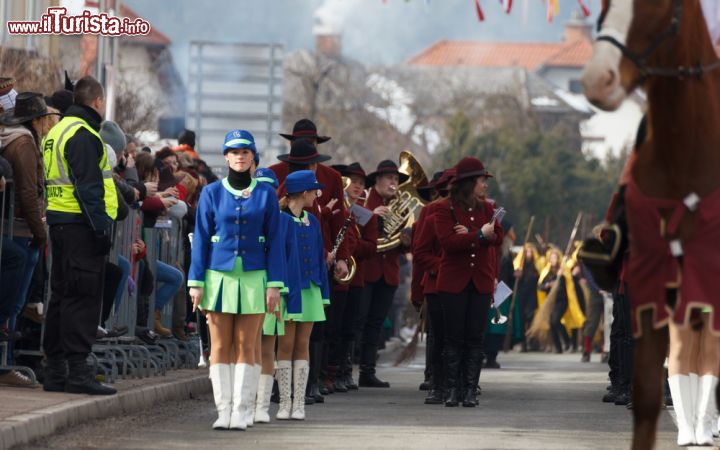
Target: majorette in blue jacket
{"x": 311, "y": 254}
{"x": 231, "y": 223}
{"x": 293, "y": 296}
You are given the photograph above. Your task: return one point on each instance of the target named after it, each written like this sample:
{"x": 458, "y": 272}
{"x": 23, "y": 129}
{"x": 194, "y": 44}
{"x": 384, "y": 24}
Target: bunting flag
{"x": 585, "y": 9}
{"x": 478, "y": 9}
{"x": 553, "y": 9}
{"x": 507, "y": 5}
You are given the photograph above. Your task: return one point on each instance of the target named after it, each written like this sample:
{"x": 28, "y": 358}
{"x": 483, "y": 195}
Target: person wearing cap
{"x": 426, "y": 252}
{"x": 24, "y": 128}
{"x": 82, "y": 205}
{"x": 466, "y": 276}
{"x": 365, "y": 237}
{"x": 7, "y": 93}
{"x": 291, "y": 303}
{"x": 382, "y": 271}
{"x": 330, "y": 210}
{"x": 236, "y": 273}
{"x": 293, "y": 348}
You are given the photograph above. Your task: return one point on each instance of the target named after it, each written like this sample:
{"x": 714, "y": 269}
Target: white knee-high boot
{"x": 706, "y": 408}
{"x": 283, "y": 374}
{"x": 301, "y": 370}
{"x": 241, "y": 386}
{"x": 680, "y": 389}
{"x": 221, "y": 379}
{"x": 252, "y": 393}
{"x": 262, "y": 407}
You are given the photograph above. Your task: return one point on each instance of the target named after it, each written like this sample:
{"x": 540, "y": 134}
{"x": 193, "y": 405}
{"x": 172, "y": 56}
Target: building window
{"x": 575, "y": 86}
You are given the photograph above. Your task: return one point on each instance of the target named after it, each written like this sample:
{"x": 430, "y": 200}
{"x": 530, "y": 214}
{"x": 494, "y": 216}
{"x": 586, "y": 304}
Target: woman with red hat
{"x": 466, "y": 232}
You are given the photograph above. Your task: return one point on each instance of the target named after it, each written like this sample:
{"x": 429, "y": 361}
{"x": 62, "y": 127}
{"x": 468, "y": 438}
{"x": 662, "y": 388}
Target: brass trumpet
{"x": 406, "y": 203}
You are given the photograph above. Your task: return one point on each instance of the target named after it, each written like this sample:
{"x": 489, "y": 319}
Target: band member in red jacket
{"x": 365, "y": 248}
{"x": 426, "y": 261}
{"x": 382, "y": 272}
{"x": 466, "y": 277}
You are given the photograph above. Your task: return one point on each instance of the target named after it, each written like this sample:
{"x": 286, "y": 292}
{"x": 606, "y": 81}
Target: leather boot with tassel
{"x": 159, "y": 328}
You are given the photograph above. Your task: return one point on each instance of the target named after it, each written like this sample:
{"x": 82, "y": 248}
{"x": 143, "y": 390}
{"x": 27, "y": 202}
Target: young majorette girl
{"x": 291, "y": 302}
{"x": 293, "y": 348}
{"x": 236, "y": 274}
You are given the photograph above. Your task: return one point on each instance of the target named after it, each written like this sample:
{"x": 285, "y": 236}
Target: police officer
{"x": 82, "y": 204}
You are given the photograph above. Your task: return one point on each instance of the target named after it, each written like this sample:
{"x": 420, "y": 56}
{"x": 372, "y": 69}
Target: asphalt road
{"x": 535, "y": 401}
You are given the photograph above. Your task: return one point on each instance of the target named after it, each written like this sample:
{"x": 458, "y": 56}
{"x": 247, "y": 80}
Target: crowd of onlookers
{"x": 159, "y": 185}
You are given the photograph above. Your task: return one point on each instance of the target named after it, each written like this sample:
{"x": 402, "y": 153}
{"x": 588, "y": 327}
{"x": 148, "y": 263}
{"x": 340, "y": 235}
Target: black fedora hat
{"x": 303, "y": 153}
{"x": 386, "y": 166}
{"x": 424, "y": 191}
{"x": 350, "y": 169}
{"x": 305, "y": 129}
{"x": 60, "y": 100}
{"x": 28, "y": 106}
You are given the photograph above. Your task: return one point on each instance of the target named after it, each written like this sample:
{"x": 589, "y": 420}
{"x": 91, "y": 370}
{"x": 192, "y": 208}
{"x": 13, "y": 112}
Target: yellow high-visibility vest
{"x": 60, "y": 190}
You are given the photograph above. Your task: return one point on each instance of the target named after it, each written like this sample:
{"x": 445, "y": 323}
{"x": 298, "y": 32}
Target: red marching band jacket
{"x": 465, "y": 257}
{"x": 365, "y": 248}
{"x": 385, "y": 265}
{"x": 426, "y": 255}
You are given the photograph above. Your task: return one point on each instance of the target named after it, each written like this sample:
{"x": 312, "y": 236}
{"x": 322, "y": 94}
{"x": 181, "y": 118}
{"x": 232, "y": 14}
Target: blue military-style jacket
{"x": 292, "y": 268}
{"x": 311, "y": 253}
{"x": 231, "y": 223}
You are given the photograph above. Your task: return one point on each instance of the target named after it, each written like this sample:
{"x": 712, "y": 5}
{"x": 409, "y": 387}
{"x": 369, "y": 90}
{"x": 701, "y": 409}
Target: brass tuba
{"x": 404, "y": 205}
{"x": 351, "y": 263}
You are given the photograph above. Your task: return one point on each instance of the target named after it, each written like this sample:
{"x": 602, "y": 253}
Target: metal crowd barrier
{"x": 7, "y": 215}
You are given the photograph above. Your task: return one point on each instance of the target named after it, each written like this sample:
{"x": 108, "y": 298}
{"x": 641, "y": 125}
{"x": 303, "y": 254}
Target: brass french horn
{"x": 405, "y": 204}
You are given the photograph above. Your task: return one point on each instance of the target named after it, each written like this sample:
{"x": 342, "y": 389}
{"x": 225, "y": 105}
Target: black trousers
{"x": 76, "y": 281}
{"x": 333, "y": 327}
{"x": 113, "y": 276}
{"x": 621, "y": 344}
{"x": 377, "y": 300}
{"x": 436, "y": 329}
{"x": 465, "y": 316}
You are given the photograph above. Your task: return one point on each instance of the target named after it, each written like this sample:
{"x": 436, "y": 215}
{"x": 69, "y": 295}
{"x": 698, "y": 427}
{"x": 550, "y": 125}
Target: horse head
{"x": 642, "y": 39}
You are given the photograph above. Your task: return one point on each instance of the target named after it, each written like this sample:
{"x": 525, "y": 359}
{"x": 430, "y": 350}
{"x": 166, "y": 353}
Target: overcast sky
{"x": 374, "y": 31}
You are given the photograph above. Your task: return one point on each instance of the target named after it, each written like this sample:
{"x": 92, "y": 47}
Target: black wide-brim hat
{"x": 386, "y": 166}
{"x": 60, "y": 100}
{"x": 350, "y": 169}
{"x": 303, "y": 153}
{"x": 305, "y": 129}
{"x": 424, "y": 191}
{"x": 28, "y": 106}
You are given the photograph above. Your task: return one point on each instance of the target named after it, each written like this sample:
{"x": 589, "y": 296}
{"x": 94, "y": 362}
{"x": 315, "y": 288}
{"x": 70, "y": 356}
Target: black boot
{"x": 367, "y": 369}
{"x": 436, "y": 396}
{"x": 473, "y": 362}
{"x": 452, "y": 372}
{"x": 313, "y": 389}
{"x": 470, "y": 398}
{"x": 336, "y": 378}
{"x": 81, "y": 380}
{"x": 346, "y": 367}
{"x": 55, "y": 375}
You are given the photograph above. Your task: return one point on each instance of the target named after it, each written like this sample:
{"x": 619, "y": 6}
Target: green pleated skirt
{"x": 235, "y": 292}
{"x": 313, "y": 306}
{"x": 272, "y": 326}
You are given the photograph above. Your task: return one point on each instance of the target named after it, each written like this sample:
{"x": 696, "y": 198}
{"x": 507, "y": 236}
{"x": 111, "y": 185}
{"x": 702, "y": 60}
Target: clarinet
{"x": 341, "y": 236}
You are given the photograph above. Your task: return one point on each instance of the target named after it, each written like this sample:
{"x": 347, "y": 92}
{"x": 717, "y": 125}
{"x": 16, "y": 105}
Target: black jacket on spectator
{"x": 83, "y": 153}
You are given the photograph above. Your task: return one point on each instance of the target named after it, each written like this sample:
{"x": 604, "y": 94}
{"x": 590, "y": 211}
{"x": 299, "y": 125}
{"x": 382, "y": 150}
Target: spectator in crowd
{"x": 7, "y": 93}
{"x": 24, "y": 127}
{"x": 82, "y": 204}
{"x": 186, "y": 144}
{"x": 61, "y": 100}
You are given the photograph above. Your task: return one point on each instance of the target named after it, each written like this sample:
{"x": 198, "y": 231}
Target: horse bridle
{"x": 640, "y": 59}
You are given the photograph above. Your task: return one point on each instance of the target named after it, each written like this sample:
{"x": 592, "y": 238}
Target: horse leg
{"x": 650, "y": 351}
